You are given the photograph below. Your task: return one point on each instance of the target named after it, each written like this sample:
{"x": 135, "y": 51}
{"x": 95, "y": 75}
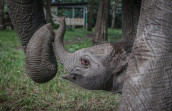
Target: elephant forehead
{"x": 100, "y": 50}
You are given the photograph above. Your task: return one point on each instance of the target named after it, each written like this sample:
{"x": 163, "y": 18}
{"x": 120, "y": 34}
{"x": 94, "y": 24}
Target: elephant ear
{"x": 41, "y": 63}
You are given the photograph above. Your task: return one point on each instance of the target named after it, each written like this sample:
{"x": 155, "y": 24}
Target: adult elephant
{"x": 148, "y": 82}
{"x": 147, "y": 85}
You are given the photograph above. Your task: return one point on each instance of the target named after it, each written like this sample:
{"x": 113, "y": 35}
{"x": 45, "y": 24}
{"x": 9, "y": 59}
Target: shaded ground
{"x": 19, "y": 92}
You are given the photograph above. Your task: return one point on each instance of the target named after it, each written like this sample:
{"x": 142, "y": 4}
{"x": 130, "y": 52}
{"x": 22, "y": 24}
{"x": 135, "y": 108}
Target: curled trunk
{"x": 60, "y": 50}
{"x": 41, "y": 63}
{"x": 27, "y": 17}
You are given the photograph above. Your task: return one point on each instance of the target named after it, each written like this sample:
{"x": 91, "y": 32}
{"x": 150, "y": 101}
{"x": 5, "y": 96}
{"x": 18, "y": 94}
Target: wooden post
{"x": 73, "y": 16}
{"x": 90, "y": 16}
{"x": 84, "y": 17}
{"x": 1, "y": 13}
{"x": 114, "y": 13}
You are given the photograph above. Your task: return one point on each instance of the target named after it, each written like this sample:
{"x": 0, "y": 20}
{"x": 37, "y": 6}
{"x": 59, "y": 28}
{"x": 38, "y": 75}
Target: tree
{"x": 101, "y": 22}
{"x": 90, "y": 16}
{"x": 114, "y": 13}
{"x": 48, "y": 11}
{"x": 148, "y": 82}
{"x": 130, "y": 17}
{"x": 1, "y": 14}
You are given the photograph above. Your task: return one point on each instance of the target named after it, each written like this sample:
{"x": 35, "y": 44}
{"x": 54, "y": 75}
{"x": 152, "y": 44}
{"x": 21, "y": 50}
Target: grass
{"x": 18, "y": 92}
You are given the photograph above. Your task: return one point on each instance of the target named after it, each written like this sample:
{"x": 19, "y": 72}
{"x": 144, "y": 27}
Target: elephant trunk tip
{"x": 61, "y": 20}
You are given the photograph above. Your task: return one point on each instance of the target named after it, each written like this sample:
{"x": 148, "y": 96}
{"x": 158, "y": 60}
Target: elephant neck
{"x": 118, "y": 63}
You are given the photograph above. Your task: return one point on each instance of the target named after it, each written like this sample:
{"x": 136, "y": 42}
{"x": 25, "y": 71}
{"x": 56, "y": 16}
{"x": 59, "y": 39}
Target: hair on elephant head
{"x": 101, "y": 67}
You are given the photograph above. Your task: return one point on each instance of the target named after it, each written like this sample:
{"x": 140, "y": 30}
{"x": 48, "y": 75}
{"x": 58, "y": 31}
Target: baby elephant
{"x": 101, "y": 67}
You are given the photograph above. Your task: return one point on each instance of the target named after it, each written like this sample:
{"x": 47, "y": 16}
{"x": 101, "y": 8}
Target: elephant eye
{"x": 85, "y": 62}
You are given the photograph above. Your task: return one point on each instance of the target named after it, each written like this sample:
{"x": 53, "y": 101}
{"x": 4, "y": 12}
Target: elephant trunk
{"x": 36, "y": 38}
{"x": 27, "y": 17}
{"x": 61, "y": 53}
{"x": 41, "y": 63}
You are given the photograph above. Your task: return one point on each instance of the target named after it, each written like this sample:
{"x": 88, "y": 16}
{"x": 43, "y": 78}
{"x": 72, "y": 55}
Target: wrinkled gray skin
{"x": 36, "y": 38}
{"x": 148, "y": 80}
{"x": 40, "y": 60}
{"x": 107, "y": 63}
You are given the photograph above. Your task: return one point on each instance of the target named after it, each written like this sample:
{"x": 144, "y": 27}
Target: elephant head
{"x": 101, "y": 67}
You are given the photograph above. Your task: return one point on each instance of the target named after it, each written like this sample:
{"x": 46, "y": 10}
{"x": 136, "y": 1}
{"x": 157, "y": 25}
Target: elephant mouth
{"x": 72, "y": 76}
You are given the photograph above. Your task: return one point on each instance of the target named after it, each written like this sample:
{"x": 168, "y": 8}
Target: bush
{"x": 55, "y": 26}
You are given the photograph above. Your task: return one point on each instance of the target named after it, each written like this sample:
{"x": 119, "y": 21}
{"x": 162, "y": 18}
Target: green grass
{"x": 19, "y": 92}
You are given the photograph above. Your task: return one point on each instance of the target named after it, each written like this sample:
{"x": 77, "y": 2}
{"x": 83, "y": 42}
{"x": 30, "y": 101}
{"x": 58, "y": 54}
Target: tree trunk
{"x": 130, "y": 17}
{"x": 99, "y": 14}
{"x": 114, "y": 13}
{"x": 148, "y": 82}
{"x": 48, "y": 11}
{"x": 90, "y": 16}
{"x": 1, "y": 13}
{"x": 101, "y": 22}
